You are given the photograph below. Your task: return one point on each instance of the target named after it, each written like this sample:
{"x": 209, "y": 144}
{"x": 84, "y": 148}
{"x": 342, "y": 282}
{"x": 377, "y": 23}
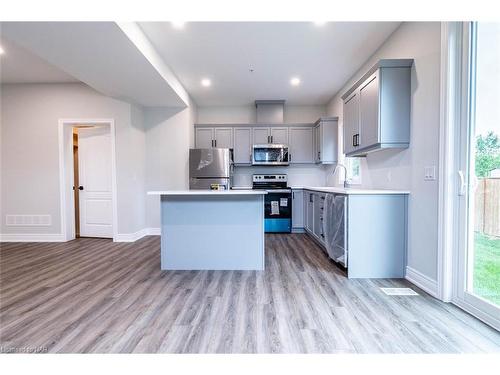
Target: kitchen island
{"x": 212, "y": 230}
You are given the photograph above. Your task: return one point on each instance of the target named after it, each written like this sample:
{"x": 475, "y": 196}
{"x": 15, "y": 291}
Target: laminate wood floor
{"x": 93, "y": 295}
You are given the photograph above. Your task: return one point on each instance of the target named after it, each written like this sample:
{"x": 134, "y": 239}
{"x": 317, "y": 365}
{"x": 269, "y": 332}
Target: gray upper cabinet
{"x": 242, "y": 145}
{"x": 368, "y": 111}
{"x": 377, "y": 109}
{"x": 261, "y": 136}
{"x": 207, "y": 137}
{"x": 301, "y": 146}
{"x": 204, "y": 137}
{"x": 308, "y": 143}
{"x": 276, "y": 135}
{"x": 351, "y": 122}
{"x": 325, "y": 137}
{"x": 223, "y": 137}
{"x": 279, "y": 135}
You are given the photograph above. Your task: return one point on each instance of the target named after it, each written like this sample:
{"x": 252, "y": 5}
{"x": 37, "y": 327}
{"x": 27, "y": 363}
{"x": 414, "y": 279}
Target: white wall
{"x": 405, "y": 169}
{"x": 169, "y": 136}
{"x": 247, "y": 114}
{"x": 29, "y": 150}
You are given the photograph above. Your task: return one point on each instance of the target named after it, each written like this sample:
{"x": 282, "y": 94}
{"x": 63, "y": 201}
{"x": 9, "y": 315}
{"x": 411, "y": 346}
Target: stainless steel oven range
{"x": 277, "y": 202}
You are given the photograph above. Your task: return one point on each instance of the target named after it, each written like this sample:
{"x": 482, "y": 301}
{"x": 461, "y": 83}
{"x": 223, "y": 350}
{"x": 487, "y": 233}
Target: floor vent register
{"x": 399, "y": 291}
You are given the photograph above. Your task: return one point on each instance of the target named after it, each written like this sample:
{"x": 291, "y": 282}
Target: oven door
{"x": 278, "y": 211}
{"x": 270, "y": 154}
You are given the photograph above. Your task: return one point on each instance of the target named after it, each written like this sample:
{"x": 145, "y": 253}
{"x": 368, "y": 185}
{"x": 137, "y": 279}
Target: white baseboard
{"x": 44, "y": 237}
{"x": 27, "y": 237}
{"x": 154, "y": 231}
{"x": 132, "y": 237}
{"x": 298, "y": 230}
{"x": 422, "y": 281}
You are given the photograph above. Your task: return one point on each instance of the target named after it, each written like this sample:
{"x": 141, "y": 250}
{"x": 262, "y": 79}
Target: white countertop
{"x": 209, "y": 192}
{"x": 342, "y": 190}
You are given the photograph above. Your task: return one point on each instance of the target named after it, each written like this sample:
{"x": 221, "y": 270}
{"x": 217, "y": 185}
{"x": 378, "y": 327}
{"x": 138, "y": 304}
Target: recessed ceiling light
{"x": 205, "y": 82}
{"x": 1, "y": 51}
{"x": 178, "y": 24}
{"x": 295, "y": 81}
{"x": 319, "y": 23}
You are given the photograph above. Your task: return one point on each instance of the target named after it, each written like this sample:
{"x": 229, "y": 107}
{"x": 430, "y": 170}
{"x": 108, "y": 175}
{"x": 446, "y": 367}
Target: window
{"x": 353, "y": 166}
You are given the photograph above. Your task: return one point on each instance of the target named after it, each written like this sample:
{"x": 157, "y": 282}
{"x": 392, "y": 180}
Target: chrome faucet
{"x": 347, "y": 182}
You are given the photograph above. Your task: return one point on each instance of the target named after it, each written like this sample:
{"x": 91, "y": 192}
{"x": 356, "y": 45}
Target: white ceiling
{"x": 100, "y": 54}
{"x": 18, "y": 65}
{"x": 324, "y": 57}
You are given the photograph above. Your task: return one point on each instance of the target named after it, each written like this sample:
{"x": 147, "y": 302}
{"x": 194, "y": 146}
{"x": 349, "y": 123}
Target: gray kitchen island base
{"x": 212, "y": 231}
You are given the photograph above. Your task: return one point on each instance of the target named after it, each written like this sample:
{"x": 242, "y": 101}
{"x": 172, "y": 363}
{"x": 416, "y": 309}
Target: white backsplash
{"x": 298, "y": 175}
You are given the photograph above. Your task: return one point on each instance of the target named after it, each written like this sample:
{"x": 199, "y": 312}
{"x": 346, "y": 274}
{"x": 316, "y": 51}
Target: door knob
{"x": 80, "y": 187}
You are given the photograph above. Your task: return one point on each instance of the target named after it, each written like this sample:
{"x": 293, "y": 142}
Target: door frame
{"x": 66, "y": 174}
{"x": 454, "y": 122}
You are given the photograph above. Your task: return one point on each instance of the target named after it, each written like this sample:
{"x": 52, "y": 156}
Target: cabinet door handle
{"x": 215, "y": 142}
{"x": 357, "y": 139}
{"x": 354, "y": 140}
{"x": 271, "y": 139}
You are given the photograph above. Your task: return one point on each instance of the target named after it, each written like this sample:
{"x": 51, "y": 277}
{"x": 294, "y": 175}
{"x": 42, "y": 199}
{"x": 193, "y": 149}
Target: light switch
{"x": 430, "y": 173}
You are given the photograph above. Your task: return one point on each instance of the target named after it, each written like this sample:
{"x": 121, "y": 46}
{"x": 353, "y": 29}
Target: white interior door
{"x": 94, "y": 164}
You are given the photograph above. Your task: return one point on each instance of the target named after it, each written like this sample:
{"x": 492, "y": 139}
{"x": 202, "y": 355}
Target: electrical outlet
{"x": 430, "y": 173}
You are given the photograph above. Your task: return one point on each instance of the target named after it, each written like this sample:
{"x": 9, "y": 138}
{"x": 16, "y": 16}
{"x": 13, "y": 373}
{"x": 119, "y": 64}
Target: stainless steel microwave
{"x": 270, "y": 154}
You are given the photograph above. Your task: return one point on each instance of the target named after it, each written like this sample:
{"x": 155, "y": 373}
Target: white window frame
{"x": 454, "y": 117}
{"x": 353, "y": 180}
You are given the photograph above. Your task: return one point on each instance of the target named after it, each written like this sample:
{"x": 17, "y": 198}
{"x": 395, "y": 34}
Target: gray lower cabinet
{"x": 377, "y": 109}
{"x": 309, "y": 211}
{"x": 319, "y": 199}
{"x": 297, "y": 209}
{"x": 374, "y": 226}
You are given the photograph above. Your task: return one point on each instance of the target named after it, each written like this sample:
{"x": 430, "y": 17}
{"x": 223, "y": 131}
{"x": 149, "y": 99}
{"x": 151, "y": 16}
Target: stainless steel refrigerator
{"x": 210, "y": 168}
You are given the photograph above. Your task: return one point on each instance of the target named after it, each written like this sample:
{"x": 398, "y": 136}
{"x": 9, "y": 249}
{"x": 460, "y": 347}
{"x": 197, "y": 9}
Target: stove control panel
{"x": 269, "y": 178}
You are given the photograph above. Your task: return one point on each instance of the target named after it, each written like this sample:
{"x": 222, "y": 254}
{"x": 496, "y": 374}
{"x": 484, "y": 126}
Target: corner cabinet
{"x": 326, "y": 131}
{"x": 297, "y": 209}
{"x": 377, "y": 109}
